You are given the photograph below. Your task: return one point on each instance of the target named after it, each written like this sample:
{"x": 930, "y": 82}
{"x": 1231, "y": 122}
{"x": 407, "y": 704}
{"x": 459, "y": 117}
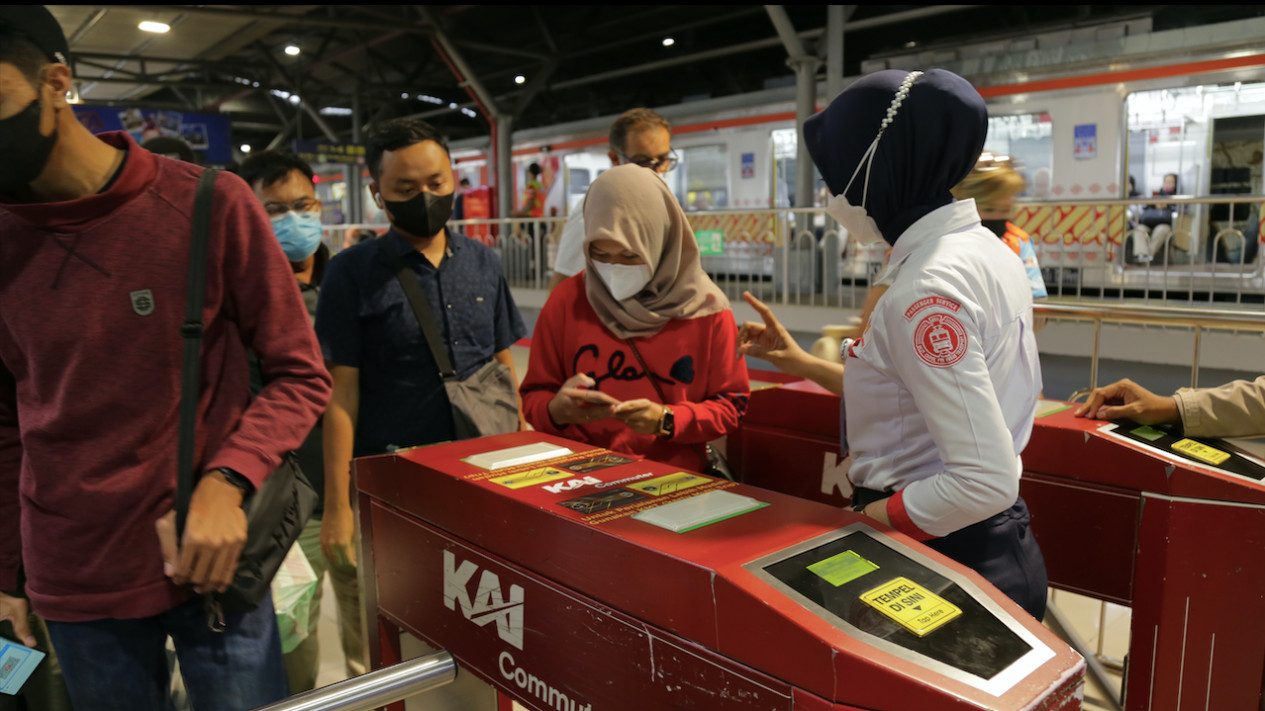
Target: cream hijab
{"x": 632, "y": 206}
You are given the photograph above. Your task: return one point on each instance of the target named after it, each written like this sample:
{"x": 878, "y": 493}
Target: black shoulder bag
{"x": 486, "y": 403}
{"x": 276, "y": 513}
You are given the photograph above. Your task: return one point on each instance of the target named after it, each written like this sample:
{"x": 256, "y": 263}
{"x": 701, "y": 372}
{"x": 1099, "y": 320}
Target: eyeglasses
{"x": 277, "y": 209}
{"x": 669, "y": 159}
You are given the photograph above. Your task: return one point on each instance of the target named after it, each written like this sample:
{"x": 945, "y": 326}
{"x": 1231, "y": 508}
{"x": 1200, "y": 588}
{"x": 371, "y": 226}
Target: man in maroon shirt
{"x": 94, "y": 250}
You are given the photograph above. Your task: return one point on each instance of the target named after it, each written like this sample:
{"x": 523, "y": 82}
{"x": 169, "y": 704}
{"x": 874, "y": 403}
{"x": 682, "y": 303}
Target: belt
{"x": 862, "y": 497}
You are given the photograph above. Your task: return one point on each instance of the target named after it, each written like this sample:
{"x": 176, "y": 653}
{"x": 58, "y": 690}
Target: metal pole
{"x": 355, "y": 189}
{"x": 377, "y": 688}
{"x": 834, "y": 51}
{"x": 805, "y": 107}
{"x": 1093, "y": 364}
{"x": 1194, "y": 366}
{"x": 504, "y": 165}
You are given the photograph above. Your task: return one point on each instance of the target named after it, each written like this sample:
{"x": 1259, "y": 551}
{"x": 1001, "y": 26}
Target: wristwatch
{"x": 237, "y": 480}
{"x": 667, "y": 423}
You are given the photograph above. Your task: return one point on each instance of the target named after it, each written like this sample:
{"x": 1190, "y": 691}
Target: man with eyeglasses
{"x": 286, "y": 186}
{"x": 639, "y": 136}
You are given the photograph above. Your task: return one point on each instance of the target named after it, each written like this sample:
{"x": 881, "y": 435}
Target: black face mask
{"x": 998, "y": 227}
{"x": 24, "y": 151}
{"x": 422, "y": 215}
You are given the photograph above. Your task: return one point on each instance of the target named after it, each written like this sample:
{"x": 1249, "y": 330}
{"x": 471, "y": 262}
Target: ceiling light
{"x": 520, "y": 79}
{"x": 159, "y": 27}
{"x": 452, "y": 105}
{"x": 335, "y": 111}
{"x": 245, "y": 148}
{"x": 668, "y": 41}
{"x": 293, "y": 50}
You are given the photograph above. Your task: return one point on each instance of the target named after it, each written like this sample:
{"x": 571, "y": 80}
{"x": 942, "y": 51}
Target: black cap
{"x": 39, "y": 26}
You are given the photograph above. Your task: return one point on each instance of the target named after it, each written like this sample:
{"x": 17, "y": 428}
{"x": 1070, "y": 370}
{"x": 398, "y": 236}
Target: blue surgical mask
{"x": 299, "y": 233}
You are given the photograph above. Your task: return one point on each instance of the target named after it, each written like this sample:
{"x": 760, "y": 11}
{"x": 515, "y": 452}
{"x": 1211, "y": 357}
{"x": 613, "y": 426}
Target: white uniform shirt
{"x": 941, "y": 389}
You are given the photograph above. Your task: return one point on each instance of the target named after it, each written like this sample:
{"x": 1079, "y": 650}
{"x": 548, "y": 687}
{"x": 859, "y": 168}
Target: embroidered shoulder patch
{"x": 940, "y": 340}
{"x": 929, "y": 302}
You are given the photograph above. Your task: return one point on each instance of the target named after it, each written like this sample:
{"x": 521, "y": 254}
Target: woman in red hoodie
{"x": 638, "y": 353}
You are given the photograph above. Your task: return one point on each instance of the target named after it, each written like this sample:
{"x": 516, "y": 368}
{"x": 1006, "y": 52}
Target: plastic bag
{"x": 293, "y": 589}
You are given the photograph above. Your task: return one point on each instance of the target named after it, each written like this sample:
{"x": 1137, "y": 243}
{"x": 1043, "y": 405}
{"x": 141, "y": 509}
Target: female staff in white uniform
{"x": 940, "y": 391}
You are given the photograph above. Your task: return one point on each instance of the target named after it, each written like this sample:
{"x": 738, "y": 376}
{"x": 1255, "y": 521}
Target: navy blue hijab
{"x": 930, "y": 146}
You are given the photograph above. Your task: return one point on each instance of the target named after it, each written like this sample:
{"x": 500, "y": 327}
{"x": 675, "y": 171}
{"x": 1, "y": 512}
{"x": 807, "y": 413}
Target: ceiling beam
{"x": 282, "y": 18}
{"x": 684, "y": 59}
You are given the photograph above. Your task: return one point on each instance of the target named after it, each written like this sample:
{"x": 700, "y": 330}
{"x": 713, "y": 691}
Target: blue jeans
{"x": 119, "y": 665}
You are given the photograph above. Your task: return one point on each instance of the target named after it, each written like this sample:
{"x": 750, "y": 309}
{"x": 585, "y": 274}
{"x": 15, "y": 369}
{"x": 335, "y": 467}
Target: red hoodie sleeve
{"x": 546, "y": 369}
{"x": 269, "y": 312}
{"x": 728, "y": 389}
{"x": 10, "y": 471}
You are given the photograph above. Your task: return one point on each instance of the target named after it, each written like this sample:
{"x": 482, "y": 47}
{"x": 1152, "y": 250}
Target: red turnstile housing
{"x": 544, "y": 579}
{"x": 1119, "y": 517}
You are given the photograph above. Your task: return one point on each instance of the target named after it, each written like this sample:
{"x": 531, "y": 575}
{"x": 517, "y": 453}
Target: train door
{"x": 1238, "y": 143}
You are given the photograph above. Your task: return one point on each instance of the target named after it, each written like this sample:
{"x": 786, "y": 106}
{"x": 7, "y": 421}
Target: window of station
{"x": 1028, "y": 139}
{"x": 704, "y": 177}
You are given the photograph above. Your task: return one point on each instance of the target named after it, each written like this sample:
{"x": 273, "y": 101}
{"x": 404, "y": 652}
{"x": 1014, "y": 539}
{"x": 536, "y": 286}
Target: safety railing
{"x": 376, "y": 688}
{"x": 801, "y": 256}
{"x": 1198, "y": 321}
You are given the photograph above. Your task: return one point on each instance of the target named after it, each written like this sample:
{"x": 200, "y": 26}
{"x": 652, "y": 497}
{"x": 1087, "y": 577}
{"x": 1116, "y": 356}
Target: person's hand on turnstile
{"x": 576, "y": 403}
{"x": 1126, "y": 399}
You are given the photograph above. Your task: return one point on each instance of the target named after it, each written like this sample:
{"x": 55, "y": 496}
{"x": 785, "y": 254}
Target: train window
{"x": 1173, "y": 132}
{"x": 1029, "y": 141}
{"x": 579, "y": 181}
{"x": 705, "y": 177}
{"x": 785, "y": 153}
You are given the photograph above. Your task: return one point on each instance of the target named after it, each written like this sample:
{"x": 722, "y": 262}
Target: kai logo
{"x": 489, "y": 604}
{"x": 571, "y": 484}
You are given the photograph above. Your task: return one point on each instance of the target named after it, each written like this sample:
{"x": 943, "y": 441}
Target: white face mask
{"x": 854, "y": 218}
{"x": 624, "y": 281}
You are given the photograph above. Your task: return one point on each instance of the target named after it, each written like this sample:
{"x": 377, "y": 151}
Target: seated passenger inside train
{"x": 637, "y": 353}
{"x": 1154, "y": 238}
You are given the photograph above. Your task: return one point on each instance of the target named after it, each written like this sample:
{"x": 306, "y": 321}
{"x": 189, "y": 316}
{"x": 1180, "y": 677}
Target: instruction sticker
{"x": 911, "y": 606}
{"x": 1200, "y": 451}
{"x": 842, "y": 568}
{"x": 536, "y": 476}
{"x": 1149, "y": 433}
{"x": 670, "y": 484}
